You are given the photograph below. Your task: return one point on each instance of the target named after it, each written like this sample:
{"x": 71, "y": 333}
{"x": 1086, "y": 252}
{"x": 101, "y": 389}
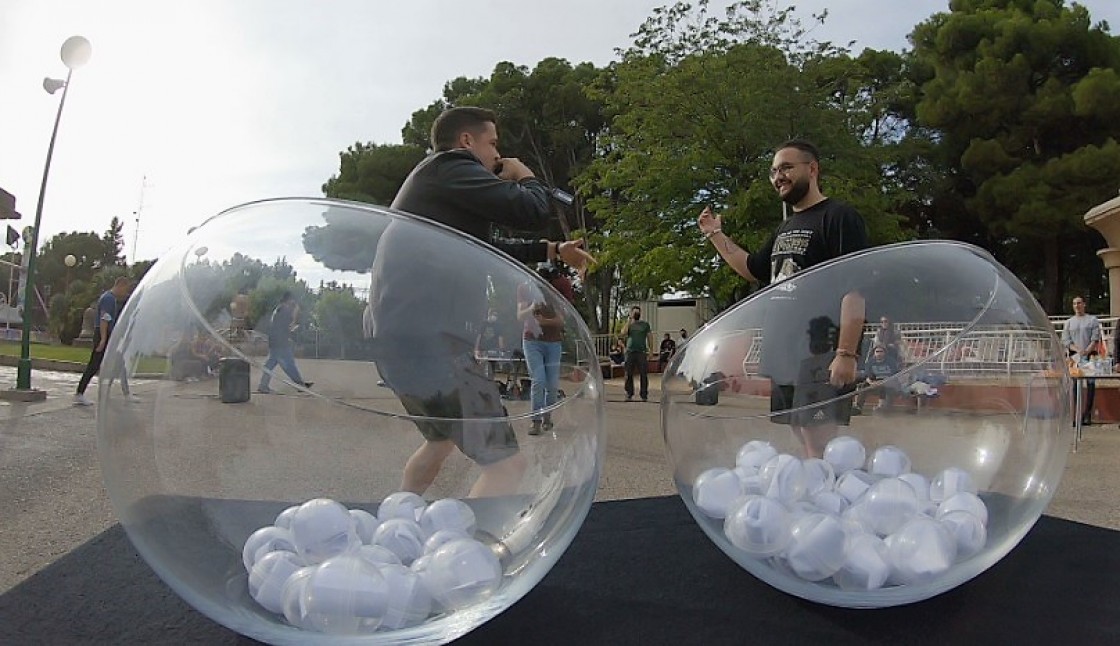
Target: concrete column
{"x": 1106, "y": 219}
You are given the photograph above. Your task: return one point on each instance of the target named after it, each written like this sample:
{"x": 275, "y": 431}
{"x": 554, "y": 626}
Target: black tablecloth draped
{"x": 639, "y": 572}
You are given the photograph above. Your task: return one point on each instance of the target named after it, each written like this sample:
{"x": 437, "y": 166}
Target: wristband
{"x": 708, "y": 235}
{"x": 845, "y": 353}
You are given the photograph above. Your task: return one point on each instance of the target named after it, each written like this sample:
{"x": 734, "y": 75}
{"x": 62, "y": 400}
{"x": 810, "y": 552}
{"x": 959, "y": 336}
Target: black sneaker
{"x": 308, "y": 384}
{"x": 547, "y": 425}
{"x": 536, "y": 430}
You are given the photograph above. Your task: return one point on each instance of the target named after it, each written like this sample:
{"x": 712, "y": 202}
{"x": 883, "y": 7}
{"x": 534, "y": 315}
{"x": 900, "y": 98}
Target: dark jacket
{"x": 427, "y": 287}
{"x": 454, "y": 188}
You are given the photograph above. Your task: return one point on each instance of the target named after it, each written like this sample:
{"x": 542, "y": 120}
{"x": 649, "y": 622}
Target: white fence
{"x": 982, "y": 351}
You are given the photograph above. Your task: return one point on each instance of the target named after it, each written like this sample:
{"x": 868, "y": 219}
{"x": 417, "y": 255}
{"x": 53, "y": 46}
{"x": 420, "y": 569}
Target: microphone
{"x": 560, "y": 196}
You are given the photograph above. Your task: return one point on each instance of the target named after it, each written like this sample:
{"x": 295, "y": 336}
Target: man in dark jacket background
{"x": 424, "y": 299}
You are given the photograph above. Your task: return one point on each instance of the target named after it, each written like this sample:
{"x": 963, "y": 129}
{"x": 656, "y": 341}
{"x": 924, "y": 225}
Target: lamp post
{"x": 75, "y": 53}
{"x": 69, "y": 261}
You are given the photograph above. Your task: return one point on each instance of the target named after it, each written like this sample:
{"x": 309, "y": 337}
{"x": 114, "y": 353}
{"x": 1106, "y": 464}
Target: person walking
{"x": 281, "y": 350}
{"x": 109, "y": 306}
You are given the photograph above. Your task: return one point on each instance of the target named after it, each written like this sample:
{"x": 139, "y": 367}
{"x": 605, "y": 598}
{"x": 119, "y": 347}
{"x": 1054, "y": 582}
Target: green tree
{"x": 372, "y": 173}
{"x": 697, "y": 106}
{"x": 1022, "y": 100}
{"x": 338, "y": 316}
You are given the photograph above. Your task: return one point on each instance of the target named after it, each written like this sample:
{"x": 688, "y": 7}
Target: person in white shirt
{"x": 1081, "y": 337}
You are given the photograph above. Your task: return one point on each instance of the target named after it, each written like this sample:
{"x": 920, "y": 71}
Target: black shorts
{"x": 812, "y": 401}
{"x": 455, "y": 388}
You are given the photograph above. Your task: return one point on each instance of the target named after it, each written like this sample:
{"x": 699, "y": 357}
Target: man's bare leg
{"x": 422, "y": 468}
{"x": 814, "y": 439}
{"x": 500, "y": 478}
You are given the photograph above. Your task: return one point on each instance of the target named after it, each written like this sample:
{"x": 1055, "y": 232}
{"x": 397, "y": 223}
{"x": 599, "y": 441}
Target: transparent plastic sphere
{"x": 978, "y": 407}
{"x": 287, "y": 425}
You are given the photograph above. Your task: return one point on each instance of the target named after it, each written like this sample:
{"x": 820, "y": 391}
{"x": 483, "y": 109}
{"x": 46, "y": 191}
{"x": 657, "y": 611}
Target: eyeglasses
{"x": 785, "y": 168}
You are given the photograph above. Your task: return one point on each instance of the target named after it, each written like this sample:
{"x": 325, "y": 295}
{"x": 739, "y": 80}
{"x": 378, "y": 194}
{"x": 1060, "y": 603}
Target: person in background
{"x": 887, "y": 336}
{"x": 878, "y": 373}
{"x": 109, "y": 306}
{"x": 666, "y": 351}
{"x": 281, "y": 350}
{"x": 543, "y": 333}
{"x": 636, "y": 336}
{"x": 1080, "y": 336}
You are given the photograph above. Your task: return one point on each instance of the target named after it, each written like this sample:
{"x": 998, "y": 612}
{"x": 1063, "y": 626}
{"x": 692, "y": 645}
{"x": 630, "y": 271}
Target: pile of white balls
{"x": 864, "y": 522}
{"x": 339, "y": 571}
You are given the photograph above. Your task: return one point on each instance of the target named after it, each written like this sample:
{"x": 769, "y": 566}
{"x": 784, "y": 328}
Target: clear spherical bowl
{"x": 198, "y": 460}
{"x": 982, "y": 391}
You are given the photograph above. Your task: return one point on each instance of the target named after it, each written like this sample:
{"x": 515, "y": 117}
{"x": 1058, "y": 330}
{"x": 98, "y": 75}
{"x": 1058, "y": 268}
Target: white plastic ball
{"x": 919, "y": 483}
{"x": 829, "y": 502}
{"x": 378, "y": 555}
{"x": 409, "y": 602}
{"x": 365, "y": 524}
{"x": 291, "y": 598}
{"x": 819, "y": 476}
{"x": 853, "y": 484}
{"x": 752, "y": 485}
{"x": 920, "y": 551}
{"x": 754, "y": 454}
{"x": 441, "y": 537}
{"x": 967, "y": 530}
{"x": 345, "y": 595}
{"x": 402, "y": 504}
{"x": 845, "y": 453}
{"x": 322, "y": 529}
{"x": 402, "y": 537}
{"x": 448, "y": 513}
{"x": 950, "y": 482}
{"x": 816, "y": 546}
{"x": 964, "y": 501}
{"x": 888, "y": 505}
{"x": 268, "y": 577}
{"x": 715, "y": 489}
{"x": 268, "y": 539}
{"x": 783, "y": 478}
{"x": 866, "y": 564}
{"x": 462, "y": 573}
{"x": 284, "y": 518}
{"x": 889, "y": 461}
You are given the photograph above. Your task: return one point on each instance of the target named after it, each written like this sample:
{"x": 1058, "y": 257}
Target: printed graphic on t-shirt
{"x": 789, "y": 247}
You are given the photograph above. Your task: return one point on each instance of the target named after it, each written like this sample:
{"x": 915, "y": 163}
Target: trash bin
{"x": 233, "y": 380}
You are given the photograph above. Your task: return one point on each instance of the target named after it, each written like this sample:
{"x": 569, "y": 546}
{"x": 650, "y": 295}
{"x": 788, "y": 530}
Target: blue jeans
{"x": 286, "y": 359}
{"x": 543, "y": 361}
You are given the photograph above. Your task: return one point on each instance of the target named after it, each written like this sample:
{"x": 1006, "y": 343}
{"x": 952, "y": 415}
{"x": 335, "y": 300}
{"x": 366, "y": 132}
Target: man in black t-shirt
{"x": 818, "y": 229}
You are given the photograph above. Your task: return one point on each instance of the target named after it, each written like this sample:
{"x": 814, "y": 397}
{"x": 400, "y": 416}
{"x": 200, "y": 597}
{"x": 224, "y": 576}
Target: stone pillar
{"x": 1106, "y": 219}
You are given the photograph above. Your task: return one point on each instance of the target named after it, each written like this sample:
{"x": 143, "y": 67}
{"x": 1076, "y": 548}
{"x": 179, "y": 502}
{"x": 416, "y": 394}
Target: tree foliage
{"x": 1023, "y": 97}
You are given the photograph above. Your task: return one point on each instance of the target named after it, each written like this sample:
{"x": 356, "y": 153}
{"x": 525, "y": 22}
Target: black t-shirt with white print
{"x": 824, "y": 231}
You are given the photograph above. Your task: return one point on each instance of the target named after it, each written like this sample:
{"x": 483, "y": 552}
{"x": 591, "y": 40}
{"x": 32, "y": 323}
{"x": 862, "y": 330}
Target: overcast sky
{"x": 188, "y": 108}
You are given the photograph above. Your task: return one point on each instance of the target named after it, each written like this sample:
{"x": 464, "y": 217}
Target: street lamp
{"x": 75, "y": 53}
{"x": 69, "y": 261}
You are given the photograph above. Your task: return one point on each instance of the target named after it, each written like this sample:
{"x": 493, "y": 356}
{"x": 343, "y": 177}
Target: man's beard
{"x": 797, "y": 191}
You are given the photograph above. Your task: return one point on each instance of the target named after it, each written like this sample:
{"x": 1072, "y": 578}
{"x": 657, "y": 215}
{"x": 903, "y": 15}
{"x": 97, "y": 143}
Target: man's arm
{"x": 518, "y": 203}
{"x": 711, "y": 225}
{"x": 842, "y": 370}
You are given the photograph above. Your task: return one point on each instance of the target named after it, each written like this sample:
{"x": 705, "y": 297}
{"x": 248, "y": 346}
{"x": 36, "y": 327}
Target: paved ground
{"x": 54, "y": 498}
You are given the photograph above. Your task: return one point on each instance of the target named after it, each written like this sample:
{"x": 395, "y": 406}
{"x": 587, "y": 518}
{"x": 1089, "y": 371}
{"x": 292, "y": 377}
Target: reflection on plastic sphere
{"x": 912, "y": 497}
{"x": 298, "y": 354}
